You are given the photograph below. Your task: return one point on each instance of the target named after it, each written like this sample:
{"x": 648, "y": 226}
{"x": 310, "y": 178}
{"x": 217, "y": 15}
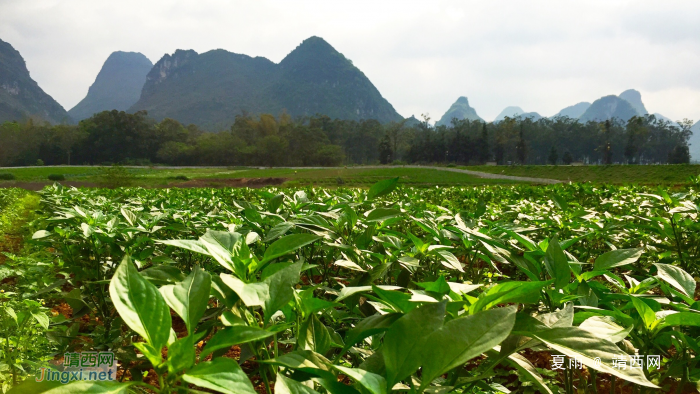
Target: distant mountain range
{"x": 574, "y": 111}
{"x": 459, "y": 110}
{"x": 207, "y": 89}
{"x": 609, "y": 107}
{"x": 21, "y": 97}
{"x": 635, "y": 98}
{"x": 211, "y": 88}
{"x": 625, "y": 106}
{"x": 517, "y": 112}
{"x": 117, "y": 86}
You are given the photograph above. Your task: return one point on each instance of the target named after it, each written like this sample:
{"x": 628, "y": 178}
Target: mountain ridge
{"x": 21, "y": 97}
{"x": 609, "y": 107}
{"x": 117, "y": 86}
{"x": 574, "y": 111}
{"x": 211, "y": 88}
{"x": 460, "y": 110}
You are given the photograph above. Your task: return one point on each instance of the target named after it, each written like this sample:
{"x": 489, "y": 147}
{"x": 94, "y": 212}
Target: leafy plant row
{"x": 379, "y": 290}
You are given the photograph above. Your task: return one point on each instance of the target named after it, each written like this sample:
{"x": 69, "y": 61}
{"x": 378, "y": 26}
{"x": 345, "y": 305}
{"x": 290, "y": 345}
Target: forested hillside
{"x": 212, "y": 88}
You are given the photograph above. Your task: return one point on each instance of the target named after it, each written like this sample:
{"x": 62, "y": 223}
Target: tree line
{"x": 266, "y": 140}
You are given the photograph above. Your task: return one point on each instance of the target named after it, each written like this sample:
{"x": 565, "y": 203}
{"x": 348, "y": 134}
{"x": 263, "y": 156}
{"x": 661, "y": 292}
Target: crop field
{"x": 568, "y": 288}
{"x": 665, "y": 174}
{"x": 37, "y": 177}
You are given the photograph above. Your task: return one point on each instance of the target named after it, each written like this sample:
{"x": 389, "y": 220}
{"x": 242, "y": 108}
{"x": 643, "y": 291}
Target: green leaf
{"x": 403, "y": 342}
{"x": 305, "y": 361}
{"x": 349, "y": 291}
{"x": 382, "y": 214}
{"x": 382, "y": 188}
{"x": 42, "y": 319}
{"x": 529, "y": 371}
{"x": 557, "y": 265}
{"x": 679, "y": 319}
{"x": 155, "y": 357}
{"x": 41, "y": 234}
{"x": 464, "y": 338}
{"x": 560, "y": 202}
{"x": 647, "y": 314}
{"x": 234, "y": 335}
{"x": 586, "y": 347}
{"x": 313, "y": 335}
{"x": 129, "y": 216}
{"x": 281, "y": 288}
{"x": 222, "y": 246}
{"x": 617, "y": 258}
{"x": 284, "y": 385}
{"x": 279, "y": 230}
{"x": 31, "y": 386}
{"x": 222, "y": 375}
{"x": 288, "y": 244}
{"x": 677, "y": 278}
{"x": 140, "y": 304}
{"x": 349, "y": 265}
{"x": 439, "y": 286}
{"x": 163, "y": 274}
{"x": 252, "y": 294}
{"x": 372, "y": 325}
{"x": 272, "y": 293}
{"x": 397, "y": 300}
{"x": 181, "y": 355}
{"x": 191, "y": 245}
{"x": 604, "y": 327}
{"x": 275, "y": 202}
{"x": 91, "y": 387}
{"x": 375, "y": 384}
{"x": 189, "y": 298}
{"x": 450, "y": 261}
{"x": 520, "y": 292}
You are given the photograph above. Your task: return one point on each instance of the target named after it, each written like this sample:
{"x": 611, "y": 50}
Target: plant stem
{"x": 613, "y": 380}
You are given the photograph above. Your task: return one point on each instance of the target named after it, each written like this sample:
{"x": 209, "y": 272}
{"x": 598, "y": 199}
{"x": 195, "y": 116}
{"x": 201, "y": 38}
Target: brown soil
{"x": 11, "y": 244}
{"x": 231, "y": 182}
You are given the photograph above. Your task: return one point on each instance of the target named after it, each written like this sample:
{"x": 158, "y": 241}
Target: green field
{"x": 469, "y": 290}
{"x": 37, "y": 177}
{"x": 353, "y": 176}
{"x": 616, "y": 174}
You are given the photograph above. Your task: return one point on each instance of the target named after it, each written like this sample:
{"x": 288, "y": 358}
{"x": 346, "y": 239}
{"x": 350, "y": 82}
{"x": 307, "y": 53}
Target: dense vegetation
{"x": 471, "y": 290}
{"x": 112, "y": 136}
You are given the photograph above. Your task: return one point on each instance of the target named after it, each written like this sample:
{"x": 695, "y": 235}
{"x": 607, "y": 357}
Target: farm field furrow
{"x": 566, "y": 288}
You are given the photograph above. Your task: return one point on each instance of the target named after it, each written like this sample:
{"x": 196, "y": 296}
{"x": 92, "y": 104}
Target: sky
{"x": 540, "y": 55}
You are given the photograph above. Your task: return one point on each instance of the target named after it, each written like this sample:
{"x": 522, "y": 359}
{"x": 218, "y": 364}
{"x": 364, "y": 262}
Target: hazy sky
{"x": 421, "y": 55}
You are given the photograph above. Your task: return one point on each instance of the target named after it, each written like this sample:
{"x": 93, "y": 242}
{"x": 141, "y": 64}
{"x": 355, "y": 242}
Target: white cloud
{"x": 422, "y": 55}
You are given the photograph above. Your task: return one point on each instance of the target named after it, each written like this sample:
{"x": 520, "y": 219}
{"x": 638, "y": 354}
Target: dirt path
{"x": 486, "y": 175}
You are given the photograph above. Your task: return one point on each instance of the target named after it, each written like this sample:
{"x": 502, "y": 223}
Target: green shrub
{"x": 6, "y": 176}
{"x": 57, "y": 177}
{"x": 114, "y": 176}
{"x": 180, "y": 178}
{"x": 39, "y": 162}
